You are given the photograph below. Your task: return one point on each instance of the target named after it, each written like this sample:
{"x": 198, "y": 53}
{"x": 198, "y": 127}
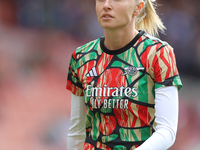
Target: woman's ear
{"x": 138, "y": 8}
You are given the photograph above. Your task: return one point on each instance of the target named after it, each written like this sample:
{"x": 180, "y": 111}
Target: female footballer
{"x": 128, "y": 81}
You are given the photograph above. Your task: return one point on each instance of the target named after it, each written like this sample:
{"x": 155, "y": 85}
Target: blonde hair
{"x": 148, "y": 20}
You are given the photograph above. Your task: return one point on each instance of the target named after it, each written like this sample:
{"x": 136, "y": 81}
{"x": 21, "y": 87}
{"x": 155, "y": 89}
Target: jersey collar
{"x": 123, "y": 49}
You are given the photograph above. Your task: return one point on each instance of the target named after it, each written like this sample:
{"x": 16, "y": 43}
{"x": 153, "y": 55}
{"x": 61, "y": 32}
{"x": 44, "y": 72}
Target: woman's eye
{"x": 100, "y": 0}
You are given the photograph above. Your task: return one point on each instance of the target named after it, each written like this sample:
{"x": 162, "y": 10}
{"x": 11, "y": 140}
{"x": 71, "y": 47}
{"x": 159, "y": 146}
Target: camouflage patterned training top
{"x": 119, "y": 89}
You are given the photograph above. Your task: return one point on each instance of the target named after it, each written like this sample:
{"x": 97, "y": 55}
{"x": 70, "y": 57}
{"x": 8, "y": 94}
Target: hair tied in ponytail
{"x": 148, "y": 20}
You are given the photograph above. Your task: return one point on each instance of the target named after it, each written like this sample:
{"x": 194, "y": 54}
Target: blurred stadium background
{"x": 37, "y": 38}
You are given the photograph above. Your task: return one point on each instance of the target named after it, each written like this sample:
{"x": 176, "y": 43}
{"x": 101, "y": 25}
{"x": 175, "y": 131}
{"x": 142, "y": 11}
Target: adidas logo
{"x": 92, "y": 73}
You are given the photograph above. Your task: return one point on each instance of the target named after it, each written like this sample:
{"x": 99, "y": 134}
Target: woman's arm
{"x": 166, "y": 113}
{"x": 76, "y": 134}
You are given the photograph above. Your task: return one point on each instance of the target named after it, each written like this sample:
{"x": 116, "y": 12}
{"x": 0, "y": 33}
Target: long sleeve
{"x": 166, "y": 113}
{"x": 76, "y": 134}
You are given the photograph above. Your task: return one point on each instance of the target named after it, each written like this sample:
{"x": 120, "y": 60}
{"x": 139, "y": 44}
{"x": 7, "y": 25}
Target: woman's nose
{"x": 107, "y": 5}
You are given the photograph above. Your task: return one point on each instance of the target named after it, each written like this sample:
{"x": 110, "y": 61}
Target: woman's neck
{"x": 116, "y": 39}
